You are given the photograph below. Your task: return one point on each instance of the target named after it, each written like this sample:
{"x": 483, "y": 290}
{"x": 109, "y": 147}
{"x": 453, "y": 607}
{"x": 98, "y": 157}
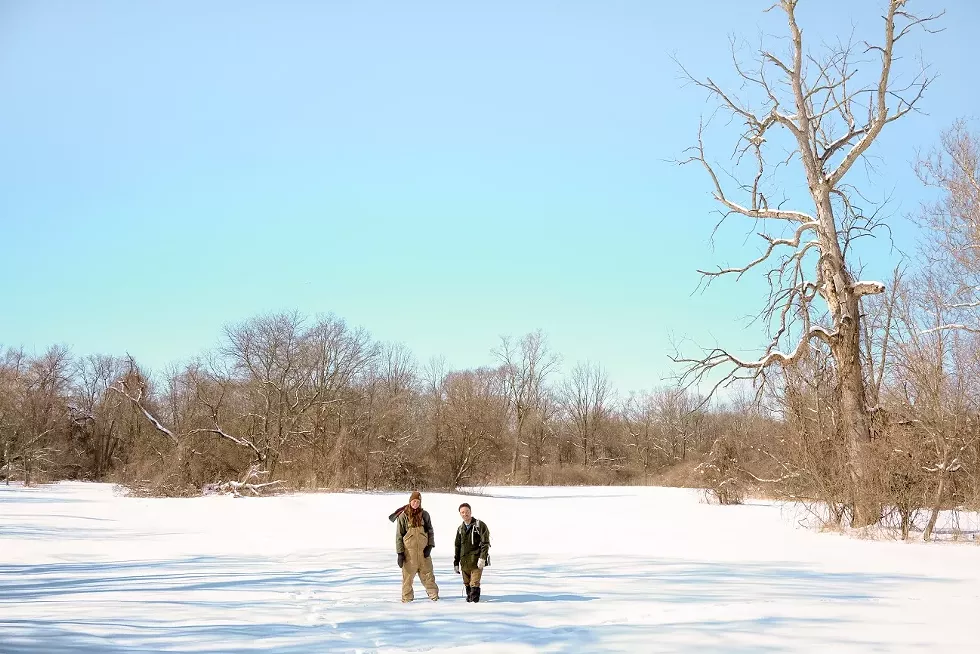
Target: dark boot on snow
{"x": 469, "y": 593}
{"x": 476, "y": 594}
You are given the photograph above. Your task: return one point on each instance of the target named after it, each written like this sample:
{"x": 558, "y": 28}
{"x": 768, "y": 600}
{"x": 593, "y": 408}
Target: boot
{"x": 469, "y": 593}
{"x": 476, "y": 593}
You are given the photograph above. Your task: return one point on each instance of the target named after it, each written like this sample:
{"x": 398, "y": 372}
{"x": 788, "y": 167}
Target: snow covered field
{"x": 573, "y": 570}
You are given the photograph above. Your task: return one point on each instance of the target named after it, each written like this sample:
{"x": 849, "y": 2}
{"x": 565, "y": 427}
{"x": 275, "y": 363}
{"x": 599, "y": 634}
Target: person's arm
{"x": 400, "y": 539}
{"x": 485, "y": 540}
{"x": 457, "y": 545}
{"x": 400, "y": 534}
{"x": 429, "y": 533}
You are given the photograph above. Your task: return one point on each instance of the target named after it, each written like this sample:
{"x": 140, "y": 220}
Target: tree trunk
{"x": 934, "y": 516}
{"x": 856, "y": 426}
{"x": 521, "y": 415}
{"x": 845, "y": 348}
{"x": 906, "y": 523}
{"x": 183, "y": 466}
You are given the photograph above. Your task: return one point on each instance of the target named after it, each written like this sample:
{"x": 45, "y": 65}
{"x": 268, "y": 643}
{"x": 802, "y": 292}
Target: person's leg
{"x": 409, "y": 570}
{"x": 428, "y": 577}
{"x": 466, "y": 584}
{"x": 475, "y": 578}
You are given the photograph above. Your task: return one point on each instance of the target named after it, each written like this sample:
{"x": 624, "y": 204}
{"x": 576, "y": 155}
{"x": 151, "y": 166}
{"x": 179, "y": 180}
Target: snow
{"x": 868, "y": 288}
{"x": 84, "y": 570}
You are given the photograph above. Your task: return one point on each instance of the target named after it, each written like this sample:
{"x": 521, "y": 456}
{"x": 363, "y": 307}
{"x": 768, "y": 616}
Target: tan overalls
{"x": 415, "y": 541}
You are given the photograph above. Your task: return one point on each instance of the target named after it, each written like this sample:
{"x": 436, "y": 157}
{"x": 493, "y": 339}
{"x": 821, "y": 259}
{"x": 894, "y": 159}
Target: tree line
{"x": 310, "y": 402}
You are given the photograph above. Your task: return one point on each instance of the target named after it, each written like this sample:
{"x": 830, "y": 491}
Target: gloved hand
{"x": 401, "y": 559}
{"x": 456, "y": 568}
{"x": 426, "y": 550}
{"x": 480, "y": 563}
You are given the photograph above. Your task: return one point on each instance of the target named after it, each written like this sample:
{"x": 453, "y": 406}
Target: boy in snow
{"x": 472, "y": 551}
{"x": 414, "y": 540}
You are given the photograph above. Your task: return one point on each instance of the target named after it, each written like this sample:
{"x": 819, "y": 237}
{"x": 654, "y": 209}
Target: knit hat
{"x": 415, "y": 496}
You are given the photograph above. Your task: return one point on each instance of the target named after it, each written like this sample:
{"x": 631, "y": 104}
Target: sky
{"x": 439, "y": 173}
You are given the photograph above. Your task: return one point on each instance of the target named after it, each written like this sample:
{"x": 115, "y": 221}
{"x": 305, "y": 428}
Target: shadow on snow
{"x": 351, "y": 603}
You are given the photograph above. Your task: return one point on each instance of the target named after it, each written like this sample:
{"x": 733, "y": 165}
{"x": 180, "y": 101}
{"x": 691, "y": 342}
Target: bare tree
{"x": 43, "y": 409}
{"x": 474, "y": 419}
{"x": 662, "y": 425}
{"x": 542, "y": 429}
{"x": 585, "y": 395}
{"x": 136, "y": 387}
{"x": 12, "y": 368}
{"x": 388, "y": 397}
{"x": 97, "y": 414}
{"x": 832, "y": 115}
{"x": 934, "y": 400}
{"x": 679, "y": 417}
{"x": 952, "y": 225}
{"x": 267, "y": 364}
{"x": 640, "y": 422}
{"x": 435, "y": 376}
{"x": 286, "y": 372}
{"x": 338, "y": 358}
{"x": 526, "y": 367}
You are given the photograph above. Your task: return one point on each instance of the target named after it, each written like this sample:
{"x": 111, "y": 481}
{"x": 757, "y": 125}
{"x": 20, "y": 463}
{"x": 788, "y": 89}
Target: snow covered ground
{"x": 573, "y": 570}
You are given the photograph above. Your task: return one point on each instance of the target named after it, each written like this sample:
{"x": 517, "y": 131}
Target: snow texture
{"x": 86, "y": 570}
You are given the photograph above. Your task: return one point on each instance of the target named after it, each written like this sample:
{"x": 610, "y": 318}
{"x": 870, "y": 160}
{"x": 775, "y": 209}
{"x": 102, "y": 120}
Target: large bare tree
{"x": 822, "y": 111}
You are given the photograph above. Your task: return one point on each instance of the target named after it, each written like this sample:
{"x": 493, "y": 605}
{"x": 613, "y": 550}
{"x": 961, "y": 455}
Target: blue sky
{"x": 440, "y": 173}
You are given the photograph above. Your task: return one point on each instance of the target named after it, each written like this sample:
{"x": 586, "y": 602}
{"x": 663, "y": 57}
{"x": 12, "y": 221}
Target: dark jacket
{"x": 472, "y": 544}
{"x": 401, "y": 528}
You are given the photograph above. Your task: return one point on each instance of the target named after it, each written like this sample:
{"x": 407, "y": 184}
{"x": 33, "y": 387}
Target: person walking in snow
{"x": 472, "y": 551}
{"x": 414, "y": 540}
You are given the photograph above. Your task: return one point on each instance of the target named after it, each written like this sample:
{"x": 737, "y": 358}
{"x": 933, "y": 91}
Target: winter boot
{"x": 476, "y": 593}
{"x": 469, "y": 593}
